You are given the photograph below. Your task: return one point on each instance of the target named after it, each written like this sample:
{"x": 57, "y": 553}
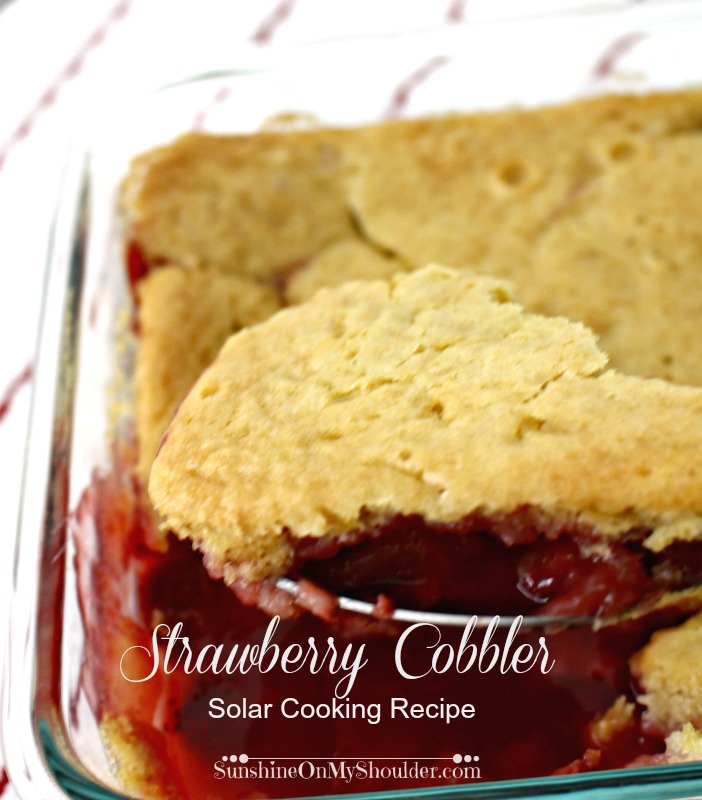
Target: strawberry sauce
{"x": 530, "y": 724}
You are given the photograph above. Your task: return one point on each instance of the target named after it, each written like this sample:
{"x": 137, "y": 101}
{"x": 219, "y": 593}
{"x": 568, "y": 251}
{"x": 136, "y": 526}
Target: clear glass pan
{"x": 50, "y": 738}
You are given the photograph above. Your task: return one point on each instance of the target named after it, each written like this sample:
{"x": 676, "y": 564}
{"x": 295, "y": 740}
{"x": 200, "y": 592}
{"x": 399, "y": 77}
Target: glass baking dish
{"x": 82, "y": 397}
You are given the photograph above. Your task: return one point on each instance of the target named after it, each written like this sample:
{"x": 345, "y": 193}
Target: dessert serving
{"x": 445, "y": 364}
{"x": 429, "y": 406}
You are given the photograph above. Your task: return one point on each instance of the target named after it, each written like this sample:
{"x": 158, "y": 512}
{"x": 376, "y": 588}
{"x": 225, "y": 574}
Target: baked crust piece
{"x": 684, "y": 745}
{"x": 345, "y": 260}
{"x": 669, "y": 670}
{"x": 183, "y": 322}
{"x": 135, "y": 751}
{"x": 617, "y": 718}
{"x": 588, "y": 207}
{"x": 432, "y": 393}
{"x": 251, "y": 205}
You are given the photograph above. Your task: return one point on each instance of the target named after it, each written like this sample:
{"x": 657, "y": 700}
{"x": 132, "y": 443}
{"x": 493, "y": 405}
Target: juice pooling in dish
{"x": 414, "y": 437}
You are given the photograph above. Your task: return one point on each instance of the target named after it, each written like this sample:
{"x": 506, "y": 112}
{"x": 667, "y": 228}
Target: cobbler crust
{"x": 684, "y": 745}
{"x": 669, "y": 670}
{"x": 135, "y": 753}
{"x": 588, "y": 207}
{"x": 183, "y": 322}
{"x": 433, "y": 393}
{"x": 347, "y": 260}
{"x": 250, "y": 205}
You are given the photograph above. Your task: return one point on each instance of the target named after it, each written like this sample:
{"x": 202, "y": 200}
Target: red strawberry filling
{"x": 525, "y": 724}
{"x": 509, "y": 564}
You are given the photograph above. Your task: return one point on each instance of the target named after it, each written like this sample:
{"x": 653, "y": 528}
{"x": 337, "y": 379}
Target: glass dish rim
{"x": 40, "y": 741}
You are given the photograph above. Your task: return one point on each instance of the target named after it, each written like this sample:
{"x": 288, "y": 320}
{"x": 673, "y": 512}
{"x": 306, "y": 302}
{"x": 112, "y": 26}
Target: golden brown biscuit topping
{"x": 183, "y": 321}
{"x": 432, "y": 394}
